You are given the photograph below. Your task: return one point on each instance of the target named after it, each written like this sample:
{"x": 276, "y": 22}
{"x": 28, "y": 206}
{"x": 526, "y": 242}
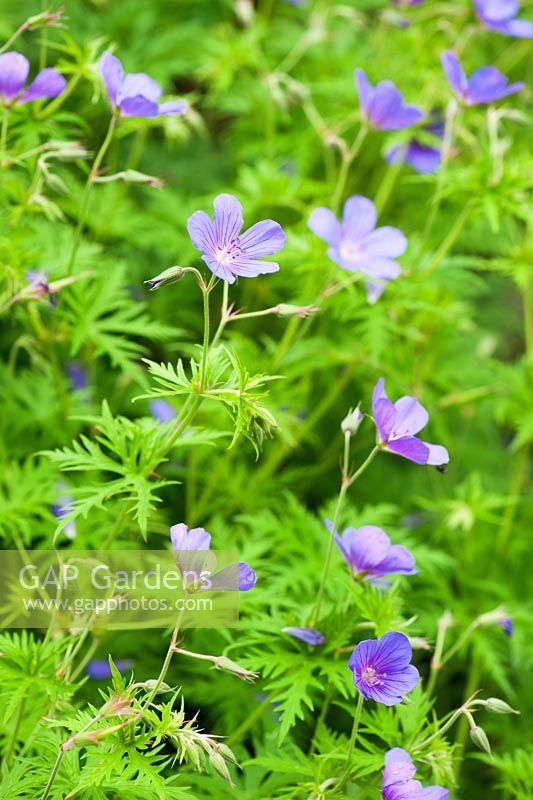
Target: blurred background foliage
{"x": 271, "y": 90}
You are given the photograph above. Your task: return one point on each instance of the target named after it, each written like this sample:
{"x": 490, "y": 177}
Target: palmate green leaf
{"x": 293, "y": 694}
{"x": 26, "y": 493}
{"x": 120, "y": 447}
{"x": 102, "y": 316}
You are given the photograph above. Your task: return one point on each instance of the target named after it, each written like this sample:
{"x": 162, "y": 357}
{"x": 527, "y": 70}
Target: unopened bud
{"x": 286, "y": 310}
{"x": 498, "y": 706}
{"x": 220, "y": 766}
{"x": 350, "y": 424}
{"x": 480, "y": 739}
{"x": 419, "y": 643}
{"x": 45, "y": 19}
{"x": 244, "y": 10}
{"x": 151, "y": 684}
{"x": 227, "y": 665}
{"x": 165, "y": 278}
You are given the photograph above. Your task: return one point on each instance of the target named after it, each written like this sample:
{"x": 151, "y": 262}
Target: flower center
{"x": 227, "y": 255}
{"x": 350, "y": 251}
{"x": 370, "y": 676}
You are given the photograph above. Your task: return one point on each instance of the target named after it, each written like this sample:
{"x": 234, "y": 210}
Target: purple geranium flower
{"x": 500, "y": 16}
{"x": 228, "y": 253}
{"x": 507, "y": 624}
{"x": 397, "y": 423}
{"x": 369, "y": 553}
{"x": 307, "y": 635}
{"x": 136, "y": 94}
{"x": 484, "y": 86}
{"x": 77, "y": 375}
{"x": 398, "y": 783}
{"x": 14, "y": 70}
{"x": 99, "y": 670}
{"x": 162, "y": 411}
{"x": 357, "y": 245}
{"x": 382, "y": 105}
{"x": 382, "y": 670}
{"x": 423, "y": 158}
{"x": 234, "y": 577}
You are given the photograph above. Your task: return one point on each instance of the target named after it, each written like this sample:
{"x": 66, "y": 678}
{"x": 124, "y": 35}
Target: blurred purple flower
{"x": 423, "y": 158}
{"x": 382, "y": 670}
{"x": 228, "y": 253}
{"x": 484, "y": 86}
{"x": 77, "y": 375}
{"x": 14, "y": 70}
{"x": 99, "y": 669}
{"x": 307, "y": 635}
{"x": 397, "y": 423}
{"x": 407, "y": 2}
{"x": 507, "y": 624}
{"x": 382, "y": 105}
{"x": 398, "y": 783}
{"x": 369, "y": 553}
{"x": 162, "y": 411}
{"x": 235, "y": 577}
{"x": 356, "y": 244}
{"x": 500, "y": 16}
{"x": 136, "y": 94}
{"x": 63, "y": 506}
{"x": 183, "y": 538}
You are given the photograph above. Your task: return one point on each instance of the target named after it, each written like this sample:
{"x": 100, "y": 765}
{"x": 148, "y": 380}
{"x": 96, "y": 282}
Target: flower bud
{"x": 498, "y": 706}
{"x": 168, "y": 276}
{"x": 480, "y": 739}
{"x": 286, "y": 310}
{"x": 350, "y": 424}
{"x": 220, "y": 766}
{"x": 149, "y": 685}
{"x": 227, "y": 665}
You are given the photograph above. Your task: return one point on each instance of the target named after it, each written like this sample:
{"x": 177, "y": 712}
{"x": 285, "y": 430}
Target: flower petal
{"x": 393, "y": 653}
{"x": 228, "y": 219}
{"x": 112, "y": 73}
{"x": 251, "y": 268}
{"x": 497, "y": 10}
{"x": 172, "y": 107}
{"x": 437, "y": 454}
{"x": 404, "y": 118}
{"x": 384, "y": 417}
{"x": 364, "y": 90}
{"x": 378, "y": 268}
{"x": 307, "y": 635}
{"x": 399, "y": 767}
{"x": 365, "y": 546}
{"x": 325, "y": 225}
{"x": 47, "y": 83}
{"x": 398, "y": 560}
{"x": 14, "y": 69}
{"x": 138, "y": 83}
{"x": 202, "y": 232}
{"x": 374, "y": 290}
{"x": 411, "y": 417}
{"x": 222, "y": 271}
{"x": 395, "y": 686}
{"x": 262, "y": 239}
{"x": 359, "y": 217}
{"x": 138, "y": 106}
{"x": 521, "y": 28}
{"x": 454, "y": 72}
{"x": 363, "y": 654}
{"x": 433, "y": 793}
{"x": 386, "y": 241}
{"x": 409, "y": 447}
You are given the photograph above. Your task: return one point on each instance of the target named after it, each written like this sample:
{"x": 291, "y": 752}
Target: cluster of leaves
{"x": 253, "y": 453}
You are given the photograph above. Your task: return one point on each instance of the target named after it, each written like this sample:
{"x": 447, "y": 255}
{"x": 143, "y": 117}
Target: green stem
{"x": 436, "y": 661}
{"x": 3, "y": 138}
{"x": 347, "y": 481}
{"x": 223, "y": 314}
{"x": 87, "y": 192}
{"x": 347, "y": 160}
{"x": 166, "y": 663}
{"x": 13, "y": 741}
{"x": 206, "y": 291}
{"x": 528, "y": 316}
{"x": 450, "y": 239}
{"x": 52, "y": 107}
{"x": 53, "y": 775}
{"x": 353, "y": 739}
{"x": 462, "y": 728}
